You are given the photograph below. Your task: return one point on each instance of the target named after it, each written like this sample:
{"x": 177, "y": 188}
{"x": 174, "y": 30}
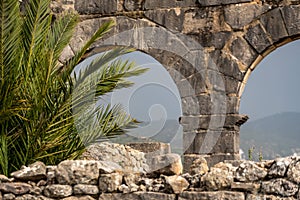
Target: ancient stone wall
{"x": 88, "y": 180}
{"x": 209, "y": 47}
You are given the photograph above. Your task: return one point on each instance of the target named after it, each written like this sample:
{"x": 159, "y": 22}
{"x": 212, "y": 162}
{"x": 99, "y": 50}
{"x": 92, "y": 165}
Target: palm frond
{"x": 70, "y": 65}
{"x": 37, "y": 22}
{"x": 45, "y": 113}
{"x": 9, "y": 35}
{"x": 61, "y": 34}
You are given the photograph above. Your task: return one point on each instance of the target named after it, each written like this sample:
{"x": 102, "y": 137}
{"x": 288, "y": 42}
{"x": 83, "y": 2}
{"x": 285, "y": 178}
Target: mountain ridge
{"x": 274, "y": 135}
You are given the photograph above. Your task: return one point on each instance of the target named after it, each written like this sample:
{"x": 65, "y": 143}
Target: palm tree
{"x": 46, "y": 112}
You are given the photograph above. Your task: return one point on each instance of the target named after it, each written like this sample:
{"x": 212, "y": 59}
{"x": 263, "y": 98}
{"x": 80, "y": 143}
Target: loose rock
{"x": 293, "y": 173}
{"x": 168, "y": 164}
{"x": 110, "y": 182}
{"x": 199, "y": 166}
{"x": 249, "y": 171}
{"x": 280, "y": 186}
{"x": 58, "y": 191}
{"x": 33, "y": 172}
{"x": 176, "y": 184}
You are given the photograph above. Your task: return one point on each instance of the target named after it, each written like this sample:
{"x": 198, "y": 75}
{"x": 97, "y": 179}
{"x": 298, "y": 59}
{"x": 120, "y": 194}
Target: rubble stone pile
{"x": 277, "y": 179}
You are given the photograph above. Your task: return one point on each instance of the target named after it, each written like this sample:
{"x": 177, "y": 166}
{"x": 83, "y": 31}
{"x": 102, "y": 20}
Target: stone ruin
{"x": 128, "y": 175}
{"x": 209, "y": 48}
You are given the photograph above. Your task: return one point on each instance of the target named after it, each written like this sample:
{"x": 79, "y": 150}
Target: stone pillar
{"x": 215, "y": 144}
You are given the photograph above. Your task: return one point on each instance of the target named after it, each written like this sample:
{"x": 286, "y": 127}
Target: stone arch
{"x": 185, "y": 60}
{"x": 270, "y": 31}
{"x": 224, "y": 39}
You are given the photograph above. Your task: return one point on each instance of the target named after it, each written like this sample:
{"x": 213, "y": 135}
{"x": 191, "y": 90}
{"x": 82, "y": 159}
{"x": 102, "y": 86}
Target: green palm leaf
{"x": 46, "y": 113}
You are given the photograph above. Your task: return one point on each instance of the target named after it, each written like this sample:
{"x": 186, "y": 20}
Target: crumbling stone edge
{"x": 89, "y": 179}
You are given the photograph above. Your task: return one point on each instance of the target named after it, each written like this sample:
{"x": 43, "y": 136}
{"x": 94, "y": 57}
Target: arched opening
{"x": 271, "y": 100}
{"x": 153, "y": 100}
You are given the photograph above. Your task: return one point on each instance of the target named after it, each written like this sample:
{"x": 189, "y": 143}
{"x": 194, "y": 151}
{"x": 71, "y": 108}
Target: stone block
{"x": 280, "y": 186}
{"x": 291, "y": 16}
{"x": 83, "y": 171}
{"x": 137, "y": 196}
{"x": 212, "y": 195}
{"x": 84, "y": 30}
{"x": 209, "y": 39}
{"x": 215, "y": 81}
{"x": 293, "y": 172}
{"x": 211, "y": 159}
{"x": 110, "y": 182}
{"x": 192, "y": 106}
{"x": 131, "y": 5}
{"x": 33, "y": 172}
{"x": 166, "y": 58}
{"x": 274, "y": 25}
{"x": 225, "y": 65}
{"x": 212, "y": 104}
{"x": 246, "y": 187}
{"x": 58, "y": 191}
{"x": 197, "y": 82}
{"x": 243, "y": 51}
{"x": 16, "y": 188}
{"x": 234, "y": 121}
{"x": 221, "y": 157}
{"x": 250, "y": 172}
{"x": 172, "y": 19}
{"x": 77, "y": 172}
{"x": 230, "y": 122}
{"x": 168, "y": 164}
{"x": 188, "y": 141}
{"x": 220, "y": 2}
{"x": 239, "y": 16}
{"x": 183, "y": 67}
{"x": 82, "y": 189}
{"x": 216, "y": 104}
{"x": 176, "y": 184}
{"x": 199, "y": 167}
{"x": 96, "y": 6}
{"x": 9, "y": 196}
{"x": 258, "y": 38}
{"x": 197, "y": 58}
{"x": 154, "y": 195}
{"x": 148, "y": 147}
{"x": 113, "y": 156}
{"x": 213, "y": 142}
{"x": 231, "y": 85}
{"x": 186, "y": 91}
{"x": 219, "y": 177}
{"x": 125, "y": 24}
{"x": 81, "y": 197}
{"x": 264, "y": 197}
{"x": 233, "y": 104}
{"x": 151, "y": 149}
{"x": 279, "y": 168}
{"x": 195, "y": 21}
{"x": 157, "y": 4}
{"x": 195, "y": 123}
{"x": 189, "y": 160}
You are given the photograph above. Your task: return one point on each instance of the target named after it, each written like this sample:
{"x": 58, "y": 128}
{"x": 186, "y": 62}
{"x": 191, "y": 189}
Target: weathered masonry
{"x": 209, "y": 47}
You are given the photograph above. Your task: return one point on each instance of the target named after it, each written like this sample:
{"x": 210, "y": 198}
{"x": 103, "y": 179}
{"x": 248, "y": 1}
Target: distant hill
{"x": 275, "y": 135}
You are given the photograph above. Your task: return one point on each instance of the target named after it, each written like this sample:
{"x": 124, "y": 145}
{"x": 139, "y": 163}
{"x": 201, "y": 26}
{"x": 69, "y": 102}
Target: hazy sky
{"x": 153, "y": 97}
{"x": 273, "y": 86}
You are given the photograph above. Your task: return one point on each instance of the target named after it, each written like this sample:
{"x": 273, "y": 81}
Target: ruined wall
{"x": 209, "y": 47}
{"x": 89, "y": 180}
